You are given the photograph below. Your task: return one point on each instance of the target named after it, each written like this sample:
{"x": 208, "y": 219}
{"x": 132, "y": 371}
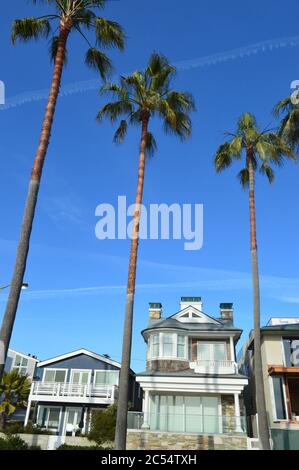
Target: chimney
{"x": 155, "y": 310}
{"x": 193, "y": 301}
{"x": 227, "y": 311}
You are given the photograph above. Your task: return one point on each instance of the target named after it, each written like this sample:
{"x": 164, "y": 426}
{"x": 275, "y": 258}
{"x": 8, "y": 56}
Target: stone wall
{"x": 166, "y": 365}
{"x": 149, "y": 440}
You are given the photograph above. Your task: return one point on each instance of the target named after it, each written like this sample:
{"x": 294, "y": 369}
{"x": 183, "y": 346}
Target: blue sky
{"x": 60, "y": 312}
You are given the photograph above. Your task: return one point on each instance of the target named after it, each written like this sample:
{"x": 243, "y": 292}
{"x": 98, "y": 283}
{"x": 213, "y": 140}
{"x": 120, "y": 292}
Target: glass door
{"x": 210, "y": 415}
{"x": 72, "y": 420}
{"x": 80, "y": 377}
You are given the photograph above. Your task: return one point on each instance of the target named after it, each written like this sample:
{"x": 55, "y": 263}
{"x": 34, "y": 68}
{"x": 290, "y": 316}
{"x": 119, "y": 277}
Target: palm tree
{"x": 14, "y": 391}
{"x": 288, "y": 109}
{"x": 138, "y": 98}
{"x": 261, "y": 150}
{"x": 69, "y": 16}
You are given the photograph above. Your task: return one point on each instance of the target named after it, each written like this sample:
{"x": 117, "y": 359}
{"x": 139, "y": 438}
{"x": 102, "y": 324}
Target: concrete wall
{"x": 147, "y": 440}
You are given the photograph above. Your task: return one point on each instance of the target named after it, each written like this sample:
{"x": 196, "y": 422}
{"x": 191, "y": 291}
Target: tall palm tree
{"x": 138, "y": 98}
{"x": 288, "y": 110}
{"x": 14, "y": 391}
{"x": 261, "y": 150}
{"x": 68, "y": 16}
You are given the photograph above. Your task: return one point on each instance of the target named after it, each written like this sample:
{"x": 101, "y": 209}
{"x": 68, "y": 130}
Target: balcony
{"x": 214, "y": 367}
{"x": 187, "y": 423}
{"x": 73, "y": 393}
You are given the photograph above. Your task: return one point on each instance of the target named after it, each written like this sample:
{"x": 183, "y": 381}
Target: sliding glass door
{"x": 196, "y": 414}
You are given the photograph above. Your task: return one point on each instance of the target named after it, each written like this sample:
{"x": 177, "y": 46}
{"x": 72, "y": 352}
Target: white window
{"x": 20, "y": 364}
{"x": 80, "y": 377}
{"x": 155, "y": 345}
{"x": 55, "y": 375}
{"x": 215, "y": 351}
{"x": 48, "y": 417}
{"x": 167, "y": 342}
{"x": 106, "y": 377}
{"x": 181, "y": 347}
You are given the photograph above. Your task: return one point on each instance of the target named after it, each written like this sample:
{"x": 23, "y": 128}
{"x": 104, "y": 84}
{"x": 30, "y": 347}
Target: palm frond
{"x": 121, "y": 132}
{"x": 151, "y": 144}
{"x": 30, "y": 28}
{"x": 243, "y": 177}
{"x": 53, "y": 47}
{"x": 109, "y": 34}
{"x": 99, "y": 61}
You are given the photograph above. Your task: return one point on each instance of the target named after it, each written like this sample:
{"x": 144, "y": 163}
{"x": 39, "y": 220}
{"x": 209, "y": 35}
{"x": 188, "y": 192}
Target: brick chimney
{"x": 227, "y": 311}
{"x": 155, "y": 311}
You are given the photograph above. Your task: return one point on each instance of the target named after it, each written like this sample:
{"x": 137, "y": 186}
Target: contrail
{"x": 210, "y": 60}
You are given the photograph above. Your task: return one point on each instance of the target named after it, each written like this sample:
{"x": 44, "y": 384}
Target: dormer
{"x": 191, "y": 314}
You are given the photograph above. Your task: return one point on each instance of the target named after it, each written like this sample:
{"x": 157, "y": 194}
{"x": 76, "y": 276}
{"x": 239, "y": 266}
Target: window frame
{"x": 160, "y": 343}
{"x": 48, "y": 408}
{"x": 80, "y": 371}
{"x": 105, "y": 370}
{"x": 210, "y": 343}
{"x": 55, "y": 369}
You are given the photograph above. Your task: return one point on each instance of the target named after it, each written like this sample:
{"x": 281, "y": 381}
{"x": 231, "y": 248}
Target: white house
{"x": 191, "y": 384}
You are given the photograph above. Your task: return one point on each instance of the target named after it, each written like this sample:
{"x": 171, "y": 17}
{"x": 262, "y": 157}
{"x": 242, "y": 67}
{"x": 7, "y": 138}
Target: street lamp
{"x": 24, "y": 286}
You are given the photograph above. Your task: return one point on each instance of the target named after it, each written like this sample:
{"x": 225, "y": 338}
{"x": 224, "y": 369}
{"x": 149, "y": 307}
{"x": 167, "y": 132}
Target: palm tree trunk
{"x": 123, "y": 398}
{"x": 24, "y": 241}
{"x": 263, "y": 427}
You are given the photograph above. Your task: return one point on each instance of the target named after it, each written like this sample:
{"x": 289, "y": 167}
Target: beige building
{"x": 280, "y": 357}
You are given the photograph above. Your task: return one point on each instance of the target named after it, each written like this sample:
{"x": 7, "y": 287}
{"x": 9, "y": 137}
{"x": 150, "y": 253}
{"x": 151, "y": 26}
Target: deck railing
{"x": 56, "y": 389}
{"x": 214, "y": 367}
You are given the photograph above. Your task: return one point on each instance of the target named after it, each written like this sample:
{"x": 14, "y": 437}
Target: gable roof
{"x": 78, "y": 352}
{"x": 23, "y": 354}
{"x": 197, "y": 312}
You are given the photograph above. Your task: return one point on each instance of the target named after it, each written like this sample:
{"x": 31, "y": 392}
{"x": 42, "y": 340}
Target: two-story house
{"x": 24, "y": 364}
{"x": 70, "y": 387}
{"x": 191, "y": 385}
{"x": 280, "y": 359}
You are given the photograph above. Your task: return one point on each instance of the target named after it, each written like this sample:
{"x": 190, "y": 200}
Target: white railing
{"x": 214, "y": 367}
{"x": 55, "y": 389}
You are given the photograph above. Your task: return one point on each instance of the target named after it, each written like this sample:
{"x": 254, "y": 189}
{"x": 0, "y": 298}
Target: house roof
{"x": 281, "y": 328}
{"x": 175, "y": 324}
{"x": 24, "y": 354}
{"x": 77, "y": 353}
{"x": 187, "y": 373}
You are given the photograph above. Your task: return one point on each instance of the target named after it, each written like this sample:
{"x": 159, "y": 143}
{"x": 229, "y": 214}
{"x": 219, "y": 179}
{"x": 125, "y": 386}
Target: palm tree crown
{"x": 148, "y": 94}
{"x": 74, "y": 15}
{"x": 288, "y": 109}
{"x": 14, "y": 390}
{"x": 263, "y": 149}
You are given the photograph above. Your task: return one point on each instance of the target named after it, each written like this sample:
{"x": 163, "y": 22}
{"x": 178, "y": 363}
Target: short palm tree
{"x": 14, "y": 391}
{"x": 138, "y": 98}
{"x": 261, "y": 150}
{"x": 68, "y": 16}
{"x": 288, "y": 110}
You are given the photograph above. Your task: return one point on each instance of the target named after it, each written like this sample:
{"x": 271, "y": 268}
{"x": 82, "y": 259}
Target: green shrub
{"x": 15, "y": 443}
{"x": 103, "y": 424}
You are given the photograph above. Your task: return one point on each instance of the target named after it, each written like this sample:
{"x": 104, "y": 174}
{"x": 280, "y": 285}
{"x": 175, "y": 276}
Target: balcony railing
{"x": 214, "y": 367}
{"x": 71, "y": 390}
{"x": 187, "y": 423}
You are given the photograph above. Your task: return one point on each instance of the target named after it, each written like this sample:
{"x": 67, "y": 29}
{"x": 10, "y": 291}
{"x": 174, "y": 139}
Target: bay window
{"x": 167, "y": 342}
{"x": 156, "y": 345}
{"x": 168, "y": 345}
{"x": 181, "y": 347}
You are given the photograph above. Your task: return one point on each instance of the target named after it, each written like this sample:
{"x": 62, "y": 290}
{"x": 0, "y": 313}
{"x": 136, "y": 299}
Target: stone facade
{"x": 166, "y": 365}
{"x": 147, "y": 440}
